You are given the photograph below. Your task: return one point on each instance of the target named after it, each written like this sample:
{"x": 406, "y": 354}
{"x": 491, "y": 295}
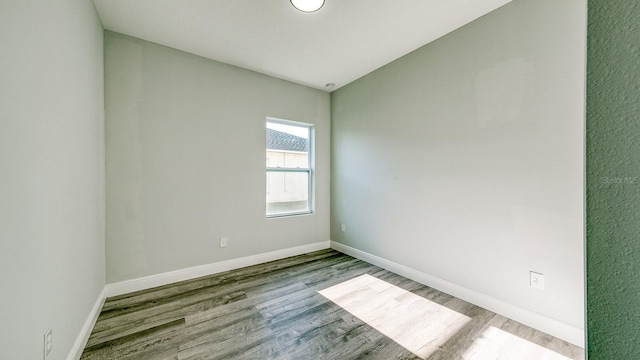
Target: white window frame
{"x": 309, "y": 171}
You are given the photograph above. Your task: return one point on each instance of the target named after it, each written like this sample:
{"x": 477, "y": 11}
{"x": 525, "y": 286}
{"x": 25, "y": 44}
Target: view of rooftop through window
{"x": 302, "y": 132}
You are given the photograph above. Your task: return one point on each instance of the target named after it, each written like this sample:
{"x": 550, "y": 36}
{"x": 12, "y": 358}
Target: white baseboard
{"x": 537, "y": 321}
{"x": 85, "y": 332}
{"x": 152, "y": 281}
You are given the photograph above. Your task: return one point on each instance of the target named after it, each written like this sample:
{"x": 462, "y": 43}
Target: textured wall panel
{"x": 613, "y": 180}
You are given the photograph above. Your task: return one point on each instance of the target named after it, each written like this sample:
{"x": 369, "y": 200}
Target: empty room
{"x": 309, "y": 179}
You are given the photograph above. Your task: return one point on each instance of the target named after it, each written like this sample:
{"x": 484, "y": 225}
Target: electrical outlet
{"x": 48, "y": 343}
{"x": 223, "y": 242}
{"x": 536, "y": 280}
{"x": 343, "y": 227}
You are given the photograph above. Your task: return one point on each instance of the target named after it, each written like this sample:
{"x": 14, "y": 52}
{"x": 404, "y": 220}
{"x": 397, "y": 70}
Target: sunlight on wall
{"x": 417, "y": 324}
{"x": 496, "y": 344}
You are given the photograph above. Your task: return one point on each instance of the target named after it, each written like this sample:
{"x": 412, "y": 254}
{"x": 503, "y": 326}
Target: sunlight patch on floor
{"x": 415, "y": 323}
{"x": 496, "y": 344}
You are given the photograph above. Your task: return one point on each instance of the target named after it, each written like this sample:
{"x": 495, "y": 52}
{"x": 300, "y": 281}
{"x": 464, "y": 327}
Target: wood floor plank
{"x": 230, "y": 308}
{"x": 151, "y": 318}
{"x": 226, "y": 343}
{"x": 160, "y": 341}
{"x": 305, "y": 308}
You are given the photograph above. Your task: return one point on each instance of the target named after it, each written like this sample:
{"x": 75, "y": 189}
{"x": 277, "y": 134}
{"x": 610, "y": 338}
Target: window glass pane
{"x": 287, "y": 192}
{"x": 287, "y": 146}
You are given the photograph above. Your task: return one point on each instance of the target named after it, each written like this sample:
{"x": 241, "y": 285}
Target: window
{"x": 289, "y": 168}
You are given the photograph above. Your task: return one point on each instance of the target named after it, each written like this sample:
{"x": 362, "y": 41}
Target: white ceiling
{"x": 341, "y": 42}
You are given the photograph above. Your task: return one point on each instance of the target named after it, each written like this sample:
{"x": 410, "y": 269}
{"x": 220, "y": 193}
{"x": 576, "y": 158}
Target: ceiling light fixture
{"x": 307, "y": 5}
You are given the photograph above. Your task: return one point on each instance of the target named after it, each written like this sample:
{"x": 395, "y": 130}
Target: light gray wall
{"x": 186, "y": 160}
{"x": 464, "y": 159}
{"x": 51, "y": 173}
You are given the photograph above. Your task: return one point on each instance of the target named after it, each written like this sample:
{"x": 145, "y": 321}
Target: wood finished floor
{"x": 282, "y": 310}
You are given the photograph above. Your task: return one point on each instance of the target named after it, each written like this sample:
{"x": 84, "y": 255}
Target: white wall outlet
{"x": 48, "y": 343}
{"x": 223, "y": 242}
{"x": 536, "y": 280}
{"x": 343, "y": 227}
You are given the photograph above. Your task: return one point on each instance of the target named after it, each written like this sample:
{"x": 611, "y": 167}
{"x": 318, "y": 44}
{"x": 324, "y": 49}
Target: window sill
{"x": 288, "y": 215}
